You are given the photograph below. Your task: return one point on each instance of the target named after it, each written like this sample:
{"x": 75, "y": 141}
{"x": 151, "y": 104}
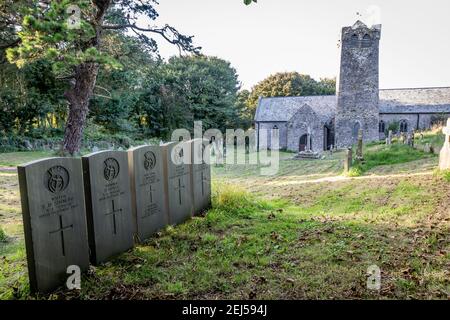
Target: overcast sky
{"x": 298, "y": 35}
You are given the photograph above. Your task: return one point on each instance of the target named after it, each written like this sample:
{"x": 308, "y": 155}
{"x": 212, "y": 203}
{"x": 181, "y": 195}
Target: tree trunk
{"x": 78, "y": 97}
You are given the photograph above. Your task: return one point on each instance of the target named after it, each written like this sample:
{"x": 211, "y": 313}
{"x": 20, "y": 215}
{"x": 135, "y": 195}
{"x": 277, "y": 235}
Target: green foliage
{"x": 290, "y": 84}
{"x": 394, "y": 127}
{"x": 3, "y": 237}
{"x": 187, "y": 89}
{"x": 388, "y": 155}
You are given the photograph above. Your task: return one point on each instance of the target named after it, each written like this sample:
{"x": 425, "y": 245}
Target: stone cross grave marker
{"x": 54, "y": 219}
{"x": 200, "y": 175}
{"x": 444, "y": 158}
{"x": 348, "y": 160}
{"x": 108, "y": 204}
{"x": 147, "y": 185}
{"x": 177, "y": 169}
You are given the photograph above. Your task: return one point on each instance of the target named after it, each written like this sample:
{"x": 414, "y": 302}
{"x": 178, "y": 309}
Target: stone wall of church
{"x": 268, "y": 126}
{"x": 301, "y": 124}
{"x": 414, "y": 121}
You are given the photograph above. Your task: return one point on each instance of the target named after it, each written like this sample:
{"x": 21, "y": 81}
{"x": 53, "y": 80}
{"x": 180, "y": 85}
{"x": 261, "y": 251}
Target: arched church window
{"x": 382, "y": 126}
{"x": 403, "y": 126}
{"x": 366, "y": 41}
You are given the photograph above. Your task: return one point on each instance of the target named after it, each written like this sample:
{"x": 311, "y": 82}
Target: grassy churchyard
{"x": 310, "y": 232}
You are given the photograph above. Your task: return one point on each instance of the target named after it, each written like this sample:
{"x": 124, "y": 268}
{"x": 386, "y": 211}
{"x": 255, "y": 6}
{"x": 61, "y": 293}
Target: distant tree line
{"x": 57, "y": 80}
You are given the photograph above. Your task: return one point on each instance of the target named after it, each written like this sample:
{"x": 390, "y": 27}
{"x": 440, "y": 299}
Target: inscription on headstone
{"x": 177, "y": 169}
{"x": 108, "y": 204}
{"x": 200, "y": 175}
{"x": 53, "y": 209}
{"x": 147, "y": 185}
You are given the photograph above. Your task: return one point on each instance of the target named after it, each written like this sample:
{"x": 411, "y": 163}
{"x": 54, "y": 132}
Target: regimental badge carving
{"x": 112, "y": 169}
{"x": 149, "y": 160}
{"x": 56, "y": 179}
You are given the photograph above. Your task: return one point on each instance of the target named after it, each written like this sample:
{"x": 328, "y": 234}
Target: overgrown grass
{"x": 384, "y": 155}
{"x": 286, "y": 240}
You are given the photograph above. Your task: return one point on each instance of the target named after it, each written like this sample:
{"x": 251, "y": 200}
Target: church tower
{"x": 358, "y": 88}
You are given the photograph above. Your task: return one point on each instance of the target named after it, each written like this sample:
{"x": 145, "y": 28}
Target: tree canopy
{"x": 290, "y": 84}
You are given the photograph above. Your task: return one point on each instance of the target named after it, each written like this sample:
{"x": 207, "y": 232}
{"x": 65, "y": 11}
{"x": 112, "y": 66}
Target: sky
{"x": 298, "y": 35}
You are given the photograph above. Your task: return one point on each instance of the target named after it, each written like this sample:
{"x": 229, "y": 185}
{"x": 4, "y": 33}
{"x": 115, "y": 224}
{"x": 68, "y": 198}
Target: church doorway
{"x": 328, "y": 137}
{"x": 303, "y": 143}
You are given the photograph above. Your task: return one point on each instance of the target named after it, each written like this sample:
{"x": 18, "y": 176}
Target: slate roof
{"x": 283, "y": 108}
{"x": 419, "y": 100}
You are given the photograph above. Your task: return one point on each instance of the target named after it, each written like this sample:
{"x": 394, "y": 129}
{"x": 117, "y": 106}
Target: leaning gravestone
{"x": 200, "y": 175}
{"x": 147, "y": 185}
{"x": 177, "y": 170}
{"x": 108, "y": 204}
{"x": 53, "y": 209}
{"x": 444, "y": 158}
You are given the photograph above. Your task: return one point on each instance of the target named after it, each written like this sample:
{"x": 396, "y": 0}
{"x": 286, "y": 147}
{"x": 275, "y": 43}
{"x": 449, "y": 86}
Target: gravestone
{"x": 359, "y": 150}
{"x": 389, "y": 138}
{"x": 54, "y": 220}
{"x": 444, "y": 157}
{"x": 200, "y": 175}
{"x": 108, "y": 204}
{"x": 427, "y": 148}
{"x": 177, "y": 170}
{"x": 147, "y": 186}
{"x": 348, "y": 160}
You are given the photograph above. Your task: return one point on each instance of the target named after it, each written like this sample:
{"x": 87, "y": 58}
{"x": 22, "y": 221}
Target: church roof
{"x": 283, "y": 108}
{"x": 418, "y": 100}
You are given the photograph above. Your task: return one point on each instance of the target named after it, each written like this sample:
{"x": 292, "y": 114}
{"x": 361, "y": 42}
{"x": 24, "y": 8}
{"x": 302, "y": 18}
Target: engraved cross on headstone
{"x": 113, "y": 214}
{"x": 180, "y": 186}
{"x": 151, "y": 194}
{"x": 61, "y": 231}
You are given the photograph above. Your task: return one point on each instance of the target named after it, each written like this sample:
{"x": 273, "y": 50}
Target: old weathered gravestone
{"x": 389, "y": 138}
{"x": 53, "y": 210}
{"x": 200, "y": 175}
{"x": 177, "y": 168}
{"x": 348, "y": 160}
{"x": 359, "y": 150}
{"x": 108, "y": 204}
{"x": 444, "y": 158}
{"x": 147, "y": 185}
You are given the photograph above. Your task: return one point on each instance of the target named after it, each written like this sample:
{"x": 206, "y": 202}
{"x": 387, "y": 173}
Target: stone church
{"x": 318, "y": 122}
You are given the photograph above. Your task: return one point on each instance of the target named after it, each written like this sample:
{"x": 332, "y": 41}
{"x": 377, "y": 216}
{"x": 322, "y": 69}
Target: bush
{"x": 3, "y": 237}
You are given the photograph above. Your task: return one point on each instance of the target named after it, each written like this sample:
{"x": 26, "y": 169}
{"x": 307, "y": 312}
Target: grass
{"x": 13, "y": 159}
{"x": 387, "y": 155}
{"x": 306, "y": 233}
